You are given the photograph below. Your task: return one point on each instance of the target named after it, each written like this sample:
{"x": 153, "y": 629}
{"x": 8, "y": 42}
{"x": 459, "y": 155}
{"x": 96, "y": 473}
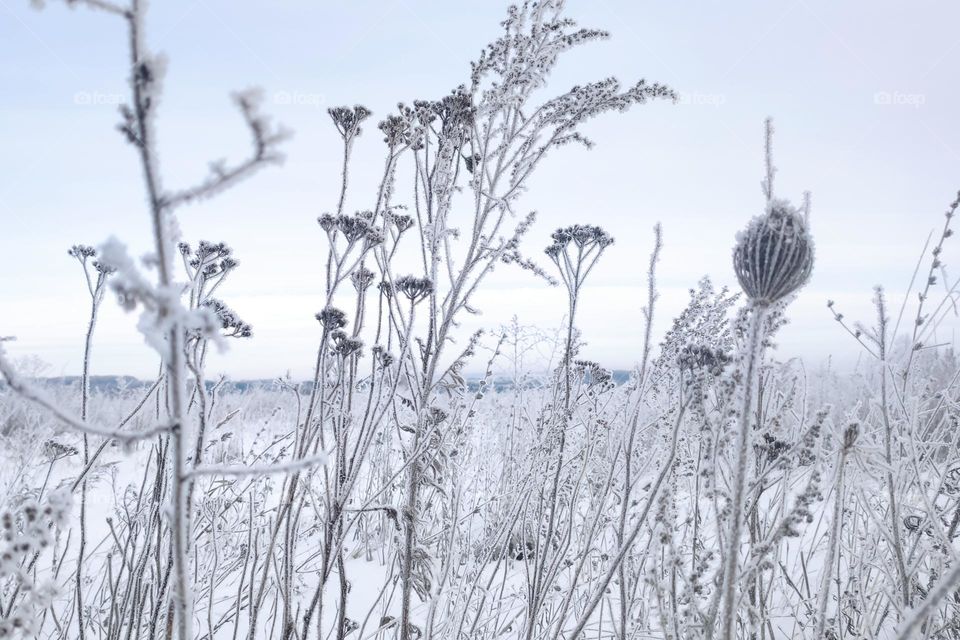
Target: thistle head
{"x": 773, "y": 256}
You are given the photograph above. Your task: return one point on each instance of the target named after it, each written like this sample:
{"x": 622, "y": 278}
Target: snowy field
{"x": 527, "y": 524}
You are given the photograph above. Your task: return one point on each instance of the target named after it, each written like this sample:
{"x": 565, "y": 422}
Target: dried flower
{"x": 397, "y": 131}
{"x": 583, "y": 236}
{"x": 773, "y": 256}
{"x": 344, "y": 345}
{"x": 402, "y": 222}
{"x": 384, "y": 357}
{"x": 327, "y": 222}
{"x": 580, "y": 247}
{"x": 362, "y": 278}
{"x": 81, "y": 251}
{"x": 211, "y": 258}
{"x": 347, "y": 120}
{"x": 593, "y": 373}
{"x": 416, "y": 289}
{"x": 695, "y": 357}
{"x": 356, "y": 228}
{"x": 229, "y": 320}
{"x": 332, "y": 318}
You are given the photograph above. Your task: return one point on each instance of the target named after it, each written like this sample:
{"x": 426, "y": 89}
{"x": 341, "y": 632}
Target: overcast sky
{"x": 864, "y": 95}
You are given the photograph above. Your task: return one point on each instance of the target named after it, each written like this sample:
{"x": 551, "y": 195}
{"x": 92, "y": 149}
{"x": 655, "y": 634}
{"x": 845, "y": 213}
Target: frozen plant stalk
{"x": 773, "y": 258}
{"x": 850, "y": 435}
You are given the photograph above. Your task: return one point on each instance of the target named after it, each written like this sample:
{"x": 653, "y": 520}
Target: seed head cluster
{"x": 581, "y": 236}
{"x": 332, "y": 318}
{"x": 345, "y": 345}
{"x": 414, "y": 288}
{"x": 362, "y": 278}
{"x": 230, "y": 322}
{"x": 83, "y": 253}
{"x": 355, "y": 228}
{"x": 210, "y": 258}
{"x": 347, "y": 120}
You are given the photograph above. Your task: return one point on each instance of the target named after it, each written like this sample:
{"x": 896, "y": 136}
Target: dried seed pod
{"x": 774, "y": 254}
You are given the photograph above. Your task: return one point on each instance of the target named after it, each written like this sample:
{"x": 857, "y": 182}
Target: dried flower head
{"x": 81, "y": 252}
{"x": 355, "y": 228}
{"x": 416, "y": 289}
{"x": 210, "y": 258}
{"x": 583, "y": 236}
{"x": 384, "y": 357}
{"x": 332, "y": 318}
{"x": 773, "y": 256}
{"x": 456, "y": 114}
{"x": 56, "y": 450}
{"x": 105, "y": 269}
{"x": 327, "y": 222}
{"x": 362, "y": 278}
{"x": 593, "y": 373}
{"x": 344, "y": 345}
{"x": 401, "y": 221}
{"x": 694, "y": 357}
{"x": 397, "y": 131}
{"x": 229, "y": 320}
{"x": 347, "y": 120}
{"x": 575, "y": 251}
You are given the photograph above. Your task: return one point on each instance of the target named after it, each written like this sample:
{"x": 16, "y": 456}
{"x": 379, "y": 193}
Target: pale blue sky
{"x": 864, "y": 94}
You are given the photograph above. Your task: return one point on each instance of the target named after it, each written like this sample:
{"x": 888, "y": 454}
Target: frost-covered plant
{"x": 165, "y": 321}
{"x": 772, "y": 258}
{"x": 483, "y": 140}
{"x": 95, "y": 274}
{"x": 28, "y": 530}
